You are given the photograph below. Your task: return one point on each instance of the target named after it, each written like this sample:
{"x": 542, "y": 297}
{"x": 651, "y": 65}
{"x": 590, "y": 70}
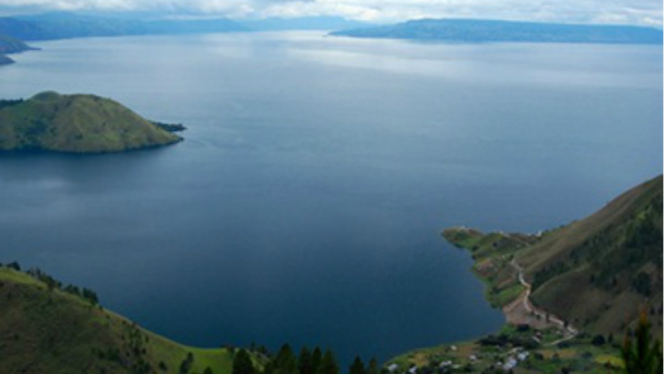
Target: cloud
{"x": 643, "y": 12}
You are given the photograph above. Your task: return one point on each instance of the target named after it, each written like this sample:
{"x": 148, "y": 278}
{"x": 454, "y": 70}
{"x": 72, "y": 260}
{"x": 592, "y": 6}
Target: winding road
{"x": 569, "y": 331}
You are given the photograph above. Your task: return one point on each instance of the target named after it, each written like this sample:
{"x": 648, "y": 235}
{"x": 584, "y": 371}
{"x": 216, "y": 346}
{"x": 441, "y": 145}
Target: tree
{"x": 598, "y": 340}
{"x": 208, "y": 370}
{"x": 641, "y": 353}
{"x": 285, "y": 362}
{"x": 186, "y": 364}
{"x": 242, "y": 363}
{"x": 357, "y": 367}
{"x": 328, "y": 364}
{"x": 305, "y": 361}
{"x": 373, "y": 367}
{"x": 317, "y": 356}
{"x": 90, "y": 295}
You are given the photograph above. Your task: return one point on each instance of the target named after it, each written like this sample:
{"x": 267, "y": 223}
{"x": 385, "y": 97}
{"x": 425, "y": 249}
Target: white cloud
{"x": 645, "y": 12}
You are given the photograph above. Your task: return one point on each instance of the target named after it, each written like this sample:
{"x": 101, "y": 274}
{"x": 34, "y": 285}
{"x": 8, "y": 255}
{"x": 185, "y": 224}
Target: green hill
{"x": 593, "y": 273}
{"x": 76, "y": 123}
{"x": 46, "y": 329}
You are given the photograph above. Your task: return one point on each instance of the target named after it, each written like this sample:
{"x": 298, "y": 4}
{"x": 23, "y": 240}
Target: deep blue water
{"x": 306, "y": 202}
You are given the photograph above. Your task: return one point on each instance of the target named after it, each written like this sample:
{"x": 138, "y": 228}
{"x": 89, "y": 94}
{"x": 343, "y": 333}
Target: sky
{"x": 635, "y": 12}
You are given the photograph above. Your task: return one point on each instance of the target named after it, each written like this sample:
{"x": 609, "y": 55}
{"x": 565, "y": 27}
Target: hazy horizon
{"x": 619, "y": 12}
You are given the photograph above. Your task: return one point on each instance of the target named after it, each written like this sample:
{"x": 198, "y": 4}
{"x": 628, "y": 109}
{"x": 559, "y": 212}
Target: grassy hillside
{"x": 593, "y": 273}
{"x": 48, "y": 330}
{"x": 76, "y": 123}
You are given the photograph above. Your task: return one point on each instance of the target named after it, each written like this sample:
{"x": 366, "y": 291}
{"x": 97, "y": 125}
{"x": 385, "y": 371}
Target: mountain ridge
{"x": 480, "y": 30}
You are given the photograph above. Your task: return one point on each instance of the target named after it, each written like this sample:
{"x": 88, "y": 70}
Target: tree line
{"x": 308, "y": 361}
{"x": 54, "y": 284}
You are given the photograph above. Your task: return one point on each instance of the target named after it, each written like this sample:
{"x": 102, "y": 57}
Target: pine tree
{"x": 285, "y": 362}
{"x": 357, "y": 367}
{"x": 305, "y": 361}
{"x": 328, "y": 364}
{"x": 373, "y": 367}
{"x": 242, "y": 363}
{"x": 641, "y": 353}
{"x": 317, "y": 356}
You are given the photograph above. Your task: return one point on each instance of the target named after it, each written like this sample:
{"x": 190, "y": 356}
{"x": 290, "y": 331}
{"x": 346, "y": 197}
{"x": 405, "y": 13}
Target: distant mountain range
{"x": 66, "y": 25}
{"x": 63, "y": 25}
{"x": 476, "y": 31}
{"x": 69, "y": 25}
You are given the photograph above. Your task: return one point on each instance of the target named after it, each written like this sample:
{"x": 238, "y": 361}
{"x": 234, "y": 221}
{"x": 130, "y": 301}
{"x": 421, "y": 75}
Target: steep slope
{"x": 45, "y": 329}
{"x": 76, "y": 123}
{"x": 595, "y": 272}
{"x": 470, "y": 30}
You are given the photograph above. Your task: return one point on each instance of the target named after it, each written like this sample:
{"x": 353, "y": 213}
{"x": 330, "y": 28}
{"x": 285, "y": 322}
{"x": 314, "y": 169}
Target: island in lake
{"x": 77, "y": 124}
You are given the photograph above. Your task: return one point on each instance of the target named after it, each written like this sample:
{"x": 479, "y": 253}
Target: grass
{"x": 580, "y": 355}
{"x": 583, "y": 272}
{"x": 51, "y": 331}
{"x": 77, "y": 123}
{"x": 569, "y": 291}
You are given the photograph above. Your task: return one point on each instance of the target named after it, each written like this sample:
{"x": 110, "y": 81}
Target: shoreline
{"x": 518, "y": 310}
{"x": 530, "y": 339}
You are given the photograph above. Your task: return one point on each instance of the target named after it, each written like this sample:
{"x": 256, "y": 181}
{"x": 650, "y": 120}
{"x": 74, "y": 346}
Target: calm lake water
{"x": 306, "y": 202}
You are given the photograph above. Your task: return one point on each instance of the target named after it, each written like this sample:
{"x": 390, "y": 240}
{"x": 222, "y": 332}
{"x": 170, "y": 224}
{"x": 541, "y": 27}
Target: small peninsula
{"x": 10, "y": 45}
{"x": 76, "y": 124}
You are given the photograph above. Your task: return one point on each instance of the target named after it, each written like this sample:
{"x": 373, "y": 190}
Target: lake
{"x": 306, "y": 203}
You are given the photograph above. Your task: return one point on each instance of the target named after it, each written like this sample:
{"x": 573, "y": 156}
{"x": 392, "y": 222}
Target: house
{"x": 446, "y": 364}
{"x": 510, "y": 364}
{"x": 392, "y": 368}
